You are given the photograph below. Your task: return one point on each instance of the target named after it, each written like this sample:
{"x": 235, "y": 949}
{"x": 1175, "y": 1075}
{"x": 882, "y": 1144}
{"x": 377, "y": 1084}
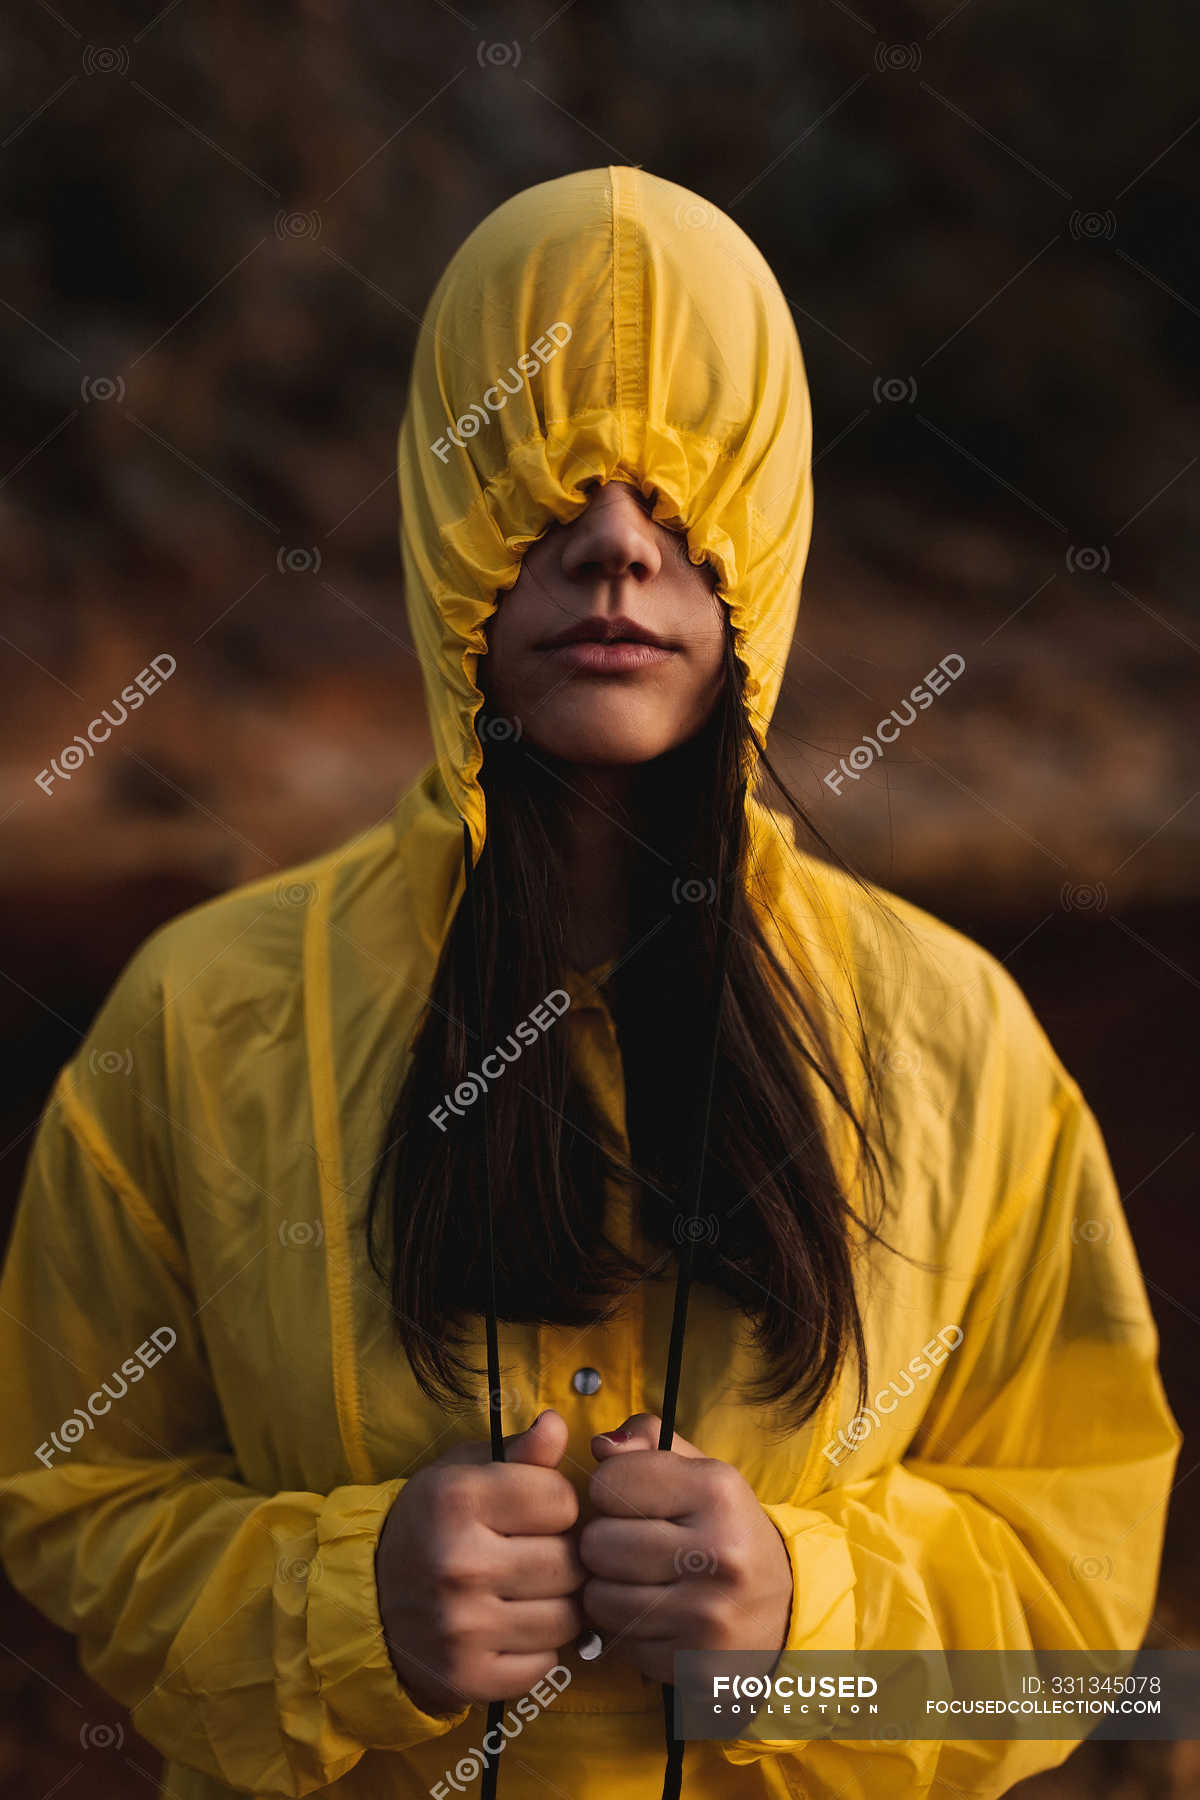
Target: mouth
{"x": 604, "y": 646}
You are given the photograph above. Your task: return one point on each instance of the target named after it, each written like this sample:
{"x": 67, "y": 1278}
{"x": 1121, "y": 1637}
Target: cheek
{"x": 522, "y": 617}
{"x": 710, "y": 649}
{"x": 496, "y": 672}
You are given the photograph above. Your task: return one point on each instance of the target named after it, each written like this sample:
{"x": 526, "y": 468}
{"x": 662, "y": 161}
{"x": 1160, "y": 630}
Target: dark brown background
{"x": 223, "y": 224}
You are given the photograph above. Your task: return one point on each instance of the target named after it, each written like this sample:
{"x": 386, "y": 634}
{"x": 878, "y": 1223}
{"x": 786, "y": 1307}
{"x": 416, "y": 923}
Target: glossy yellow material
{"x": 205, "y": 1523}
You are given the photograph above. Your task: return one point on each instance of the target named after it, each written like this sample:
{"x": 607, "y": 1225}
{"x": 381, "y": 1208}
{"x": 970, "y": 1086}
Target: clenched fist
{"x": 680, "y": 1554}
{"x": 477, "y": 1578}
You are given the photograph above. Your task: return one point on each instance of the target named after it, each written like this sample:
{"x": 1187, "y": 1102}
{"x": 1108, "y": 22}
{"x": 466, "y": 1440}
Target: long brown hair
{"x": 773, "y": 1225}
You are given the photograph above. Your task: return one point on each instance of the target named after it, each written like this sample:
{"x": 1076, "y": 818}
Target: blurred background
{"x": 222, "y": 225}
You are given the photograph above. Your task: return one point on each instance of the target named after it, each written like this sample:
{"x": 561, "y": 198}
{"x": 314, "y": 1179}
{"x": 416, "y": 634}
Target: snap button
{"x": 586, "y": 1381}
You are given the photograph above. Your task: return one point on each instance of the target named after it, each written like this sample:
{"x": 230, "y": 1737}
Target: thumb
{"x": 639, "y": 1432}
{"x": 542, "y": 1443}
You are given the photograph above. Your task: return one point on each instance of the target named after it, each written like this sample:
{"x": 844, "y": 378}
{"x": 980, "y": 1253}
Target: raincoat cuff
{"x": 346, "y": 1645}
{"x": 823, "y": 1615}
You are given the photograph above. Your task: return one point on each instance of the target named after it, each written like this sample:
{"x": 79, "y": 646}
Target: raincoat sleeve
{"x": 1028, "y": 1512}
{"x": 241, "y": 1629}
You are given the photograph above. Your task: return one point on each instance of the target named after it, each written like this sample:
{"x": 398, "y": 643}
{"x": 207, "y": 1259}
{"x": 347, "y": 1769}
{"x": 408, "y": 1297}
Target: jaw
{"x": 611, "y": 721}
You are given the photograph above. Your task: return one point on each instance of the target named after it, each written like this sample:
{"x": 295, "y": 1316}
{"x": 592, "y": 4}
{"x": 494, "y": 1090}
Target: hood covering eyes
{"x": 604, "y": 326}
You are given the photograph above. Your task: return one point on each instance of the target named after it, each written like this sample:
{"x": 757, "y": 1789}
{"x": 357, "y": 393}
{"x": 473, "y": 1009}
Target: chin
{"x": 604, "y": 741}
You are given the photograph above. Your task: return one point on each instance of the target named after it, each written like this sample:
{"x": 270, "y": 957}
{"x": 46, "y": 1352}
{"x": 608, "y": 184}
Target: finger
{"x": 541, "y": 1443}
{"x": 537, "y": 1624}
{"x": 517, "y": 1499}
{"x": 638, "y": 1550}
{"x": 630, "y": 1610}
{"x": 544, "y": 1443}
{"x": 650, "y": 1484}
{"x": 508, "y": 1676}
{"x": 641, "y": 1431}
{"x": 540, "y": 1568}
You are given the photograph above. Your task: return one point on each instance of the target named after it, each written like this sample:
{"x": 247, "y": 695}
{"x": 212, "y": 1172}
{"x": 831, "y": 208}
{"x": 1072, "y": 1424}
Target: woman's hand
{"x": 476, "y": 1572}
{"x": 681, "y": 1555}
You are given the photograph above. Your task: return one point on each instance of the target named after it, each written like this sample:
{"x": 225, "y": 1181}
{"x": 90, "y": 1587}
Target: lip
{"x": 619, "y": 657}
{"x": 607, "y": 646}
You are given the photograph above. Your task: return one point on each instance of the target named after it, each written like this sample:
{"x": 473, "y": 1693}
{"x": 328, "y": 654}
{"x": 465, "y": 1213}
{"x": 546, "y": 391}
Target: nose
{"x": 612, "y": 539}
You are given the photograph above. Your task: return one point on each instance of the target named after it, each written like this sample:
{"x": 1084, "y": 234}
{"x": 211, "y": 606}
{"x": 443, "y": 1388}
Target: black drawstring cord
{"x": 673, "y": 1774}
{"x": 495, "y": 1712}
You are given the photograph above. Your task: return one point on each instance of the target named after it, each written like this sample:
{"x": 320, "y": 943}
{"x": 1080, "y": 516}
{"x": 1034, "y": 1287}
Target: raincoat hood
{"x": 604, "y": 326}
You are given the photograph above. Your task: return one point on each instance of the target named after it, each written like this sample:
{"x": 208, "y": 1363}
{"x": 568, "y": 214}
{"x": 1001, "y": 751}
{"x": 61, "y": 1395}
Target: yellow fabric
{"x": 682, "y": 374}
{"x": 206, "y": 1527}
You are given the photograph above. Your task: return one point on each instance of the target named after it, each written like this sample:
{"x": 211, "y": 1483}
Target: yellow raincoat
{"x": 205, "y": 1417}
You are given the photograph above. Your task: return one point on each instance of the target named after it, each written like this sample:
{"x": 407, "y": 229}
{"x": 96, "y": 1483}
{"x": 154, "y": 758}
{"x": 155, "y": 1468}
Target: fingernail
{"x": 620, "y": 1436}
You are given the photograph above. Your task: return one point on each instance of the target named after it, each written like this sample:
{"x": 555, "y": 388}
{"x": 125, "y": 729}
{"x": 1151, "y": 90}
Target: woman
{"x": 339, "y": 1143}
